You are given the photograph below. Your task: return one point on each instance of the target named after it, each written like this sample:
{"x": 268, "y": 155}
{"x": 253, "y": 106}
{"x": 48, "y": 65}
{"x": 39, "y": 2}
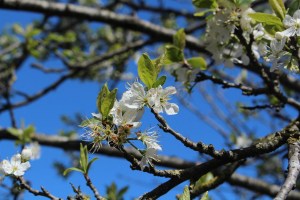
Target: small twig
{"x": 46, "y": 70}
{"x": 92, "y": 187}
{"x": 165, "y": 127}
{"x": 293, "y": 171}
{"x": 43, "y": 193}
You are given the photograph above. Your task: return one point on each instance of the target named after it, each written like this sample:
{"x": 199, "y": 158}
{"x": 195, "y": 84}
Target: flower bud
{"x": 26, "y": 154}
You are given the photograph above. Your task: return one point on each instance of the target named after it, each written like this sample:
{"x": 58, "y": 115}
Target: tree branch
{"x": 100, "y": 15}
{"x": 43, "y": 193}
{"x": 293, "y": 171}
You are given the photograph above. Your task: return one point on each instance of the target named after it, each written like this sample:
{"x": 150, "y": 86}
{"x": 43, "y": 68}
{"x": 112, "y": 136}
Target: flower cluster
{"x": 19, "y": 163}
{"x": 16, "y": 166}
{"x": 125, "y": 116}
{"x": 274, "y": 40}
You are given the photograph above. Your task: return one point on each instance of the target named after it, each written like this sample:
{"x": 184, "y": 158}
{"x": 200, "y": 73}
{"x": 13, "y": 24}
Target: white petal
{"x": 288, "y": 21}
{"x": 296, "y": 15}
{"x": 99, "y": 116}
{"x": 7, "y": 168}
{"x": 19, "y": 172}
{"x": 289, "y": 32}
{"x": 298, "y": 32}
{"x": 24, "y": 166}
{"x": 170, "y": 90}
{"x": 171, "y": 108}
{"x": 16, "y": 159}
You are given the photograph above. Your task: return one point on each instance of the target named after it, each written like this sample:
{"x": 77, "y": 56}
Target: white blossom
{"x": 161, "y": 98}
{"x": 276, "y": 52}
{"x": 35, "y": 150}
{"x": 14, "y": 166}
{"x": 135, "y": 97}
{"x": 147, "y": 157}
{"x": 26, "y": 154}
{"x": 243, "y": 141}
{"x": 245, "y": 20}
{"x": 123, "y": 115}
{"x": 292, "y": 24}
{"x": 150, "y": 140}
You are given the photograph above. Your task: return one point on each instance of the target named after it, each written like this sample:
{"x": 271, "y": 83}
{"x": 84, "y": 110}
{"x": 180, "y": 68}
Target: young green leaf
{"x": 83, "y": 157}
{"x": 197, "y": 62}
{"x": 160, "y": 81}
{"x": 293, "y": 6}
{"x": 16, "y": 132}
{"x": 173, "y": 55}
{"x": 147, "y": 71}
{"x": 205, "y": 196}
{"x": 266, "y": 18}
{"x": 186, "y": 194}
{"x": 179, "y": 39}
{"x": 108, "y": 103}
{"x": 278, "y": 7}
{"x": 72, "y": 169}
{"x": 158, "y": 63}
{"x": 90, "y": 163}
{"x": 101, "y": 96}
{"x": 205, "y": 3}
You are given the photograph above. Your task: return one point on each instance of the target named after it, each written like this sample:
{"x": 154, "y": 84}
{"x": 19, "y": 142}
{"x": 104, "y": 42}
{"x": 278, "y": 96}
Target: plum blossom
{"x": 292, "y": 24}
{"x": 276, "y": 52}
{"x": 149, "y": 155}
{"x": 15, "y": 166}
{"x": 161, "y": 98}
{"x": 243, "y": 141}
{"x": 136, "y": 97}
{"x": 123, "y": 115}
{"x": 32, "y": 151}
{"x": 149, "y": 139}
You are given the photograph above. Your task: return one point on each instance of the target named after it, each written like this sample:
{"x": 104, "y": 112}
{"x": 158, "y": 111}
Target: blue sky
{"x": 79, "y": 97}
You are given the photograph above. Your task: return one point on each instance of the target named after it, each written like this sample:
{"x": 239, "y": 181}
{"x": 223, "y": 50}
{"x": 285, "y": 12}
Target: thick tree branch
{"x": 293, "y": 171}
{"x": 266, "y": 146}
{"x": 259, "y": 186}
{"x": 99, "y": 15}
{"x": 67, "y": 144}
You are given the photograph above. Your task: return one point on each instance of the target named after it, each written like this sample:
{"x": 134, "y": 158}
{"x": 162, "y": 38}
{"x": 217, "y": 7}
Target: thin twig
{"x": 93, "y": 188}
{"x": 43, "y": 193}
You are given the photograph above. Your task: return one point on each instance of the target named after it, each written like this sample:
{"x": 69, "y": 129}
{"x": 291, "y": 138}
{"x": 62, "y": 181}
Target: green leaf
{"x": 101, "y": 96}
{"x": 204, "y": 179}
{"x": 147, "y": 71}
{"x": 186, "y": 194}
{"x": 158, "y": 64}
{"x": 72, "y": 169}
{"x": 16, "y": 132}
{"x": 173, "y": 55}
{"x": 17, "y": 28}
{"x": 293, "y": 6}
{"x": 197, "y": 62}
{"x": 32, "y": 32}
{"x": 83, "y": 158}
{"x": 108, "y": 103}
{"x": 266, "y": 18}
{"x": 90, "y": 163}
{"x": 205, "y": 3}
{"x": 160, "y": 81}
{"x": 278, "y": 8}
{"x": 122, "y": 192}
{"x": 201, "y": 14}
{"x": 179, "y": 39}
{"x": 205, "y": 196}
